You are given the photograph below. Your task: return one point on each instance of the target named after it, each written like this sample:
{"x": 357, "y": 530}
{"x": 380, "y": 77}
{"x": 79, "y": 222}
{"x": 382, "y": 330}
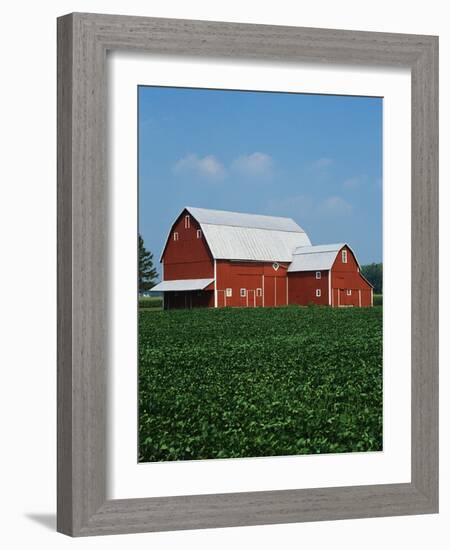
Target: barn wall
{"x": 251, "y": 276}
{"x": 347, "y": 277}
{"x": 188, "y": 257}
{"x": 303, "y": 285}
{"x": 359, "y": 297}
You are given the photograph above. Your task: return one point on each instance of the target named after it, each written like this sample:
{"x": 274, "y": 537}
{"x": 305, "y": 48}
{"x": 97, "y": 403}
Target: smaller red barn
{"x": 328, "y": 274}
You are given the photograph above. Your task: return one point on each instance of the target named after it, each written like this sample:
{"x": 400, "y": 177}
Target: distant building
{"x": 214, "y": 258}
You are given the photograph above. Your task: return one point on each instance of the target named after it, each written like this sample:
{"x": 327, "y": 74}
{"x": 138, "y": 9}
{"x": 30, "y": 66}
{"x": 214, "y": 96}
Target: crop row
{"x": 260, "y": 382}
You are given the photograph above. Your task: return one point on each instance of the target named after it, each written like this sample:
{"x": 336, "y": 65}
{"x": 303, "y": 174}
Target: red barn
{"x": 214, "y": 258}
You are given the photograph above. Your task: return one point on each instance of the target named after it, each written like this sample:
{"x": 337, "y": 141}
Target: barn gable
{"x": 186, "y": 254}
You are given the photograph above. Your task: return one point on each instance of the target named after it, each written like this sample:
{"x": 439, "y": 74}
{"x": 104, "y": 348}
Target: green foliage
{"x": 374, "y": 274}
{"x": 259, "y": 382}
{"x": 147, "y": 272}
{"x": 150, "y": 302}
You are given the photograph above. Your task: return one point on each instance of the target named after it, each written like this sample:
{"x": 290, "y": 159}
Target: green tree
{"x": 147, "y": 271}
{"x": 374, "y": 274}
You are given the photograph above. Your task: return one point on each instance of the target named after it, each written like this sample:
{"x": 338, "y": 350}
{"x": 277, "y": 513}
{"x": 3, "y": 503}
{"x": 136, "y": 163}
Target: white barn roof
{"x": 315, "y": 258}
{"x": 238, "y": 219}
{"x": 181, "y": 284}
{"x": 237, "y": 236}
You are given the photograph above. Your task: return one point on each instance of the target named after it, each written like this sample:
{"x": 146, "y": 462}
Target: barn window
{"x": 259, "y": 292}
{"x": 187, "y": 222}
{"x": 243, "y": 292}
{"x": 175, "y": 236}
{"x": 349, "y": 291}
{"x": 318, "y": 274}
{"x": 318, "y": 293}
{"x": 276, "y": 266}
{"x": 199, "y": 233}
{"x": 344, "y": 256}
{"x": 229, "y": 292}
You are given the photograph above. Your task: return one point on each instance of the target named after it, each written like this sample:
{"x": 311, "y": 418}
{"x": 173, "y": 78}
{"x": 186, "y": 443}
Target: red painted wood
{"x": 188, "y": 257}
{"x": 303, "y": 286}
{"x": 346, "y": 276}
{"x": 250, "y": 276}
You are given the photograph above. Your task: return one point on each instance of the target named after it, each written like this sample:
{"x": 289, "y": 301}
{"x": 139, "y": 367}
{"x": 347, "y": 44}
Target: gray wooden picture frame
{"x": 83, "y": 41}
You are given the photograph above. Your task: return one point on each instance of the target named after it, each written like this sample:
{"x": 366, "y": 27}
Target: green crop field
{"x": 259, "y": 382}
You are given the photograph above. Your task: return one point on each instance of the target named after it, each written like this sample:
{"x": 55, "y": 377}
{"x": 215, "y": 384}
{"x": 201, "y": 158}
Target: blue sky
{"x": 314, "y": 158}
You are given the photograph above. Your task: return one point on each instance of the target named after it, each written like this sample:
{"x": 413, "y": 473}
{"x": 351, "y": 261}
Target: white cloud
{"x": 335, "y": 206}
{"x": 255, "y": 164}
{"x": 355, "y": 182}
{"x": 305, "y": 207}
{"x": 208, "y": 167}
{"x": 323, "y": 162}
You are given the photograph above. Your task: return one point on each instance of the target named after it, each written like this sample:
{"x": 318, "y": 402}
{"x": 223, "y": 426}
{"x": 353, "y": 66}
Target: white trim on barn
{"x": 215, "y": 283}
{"x": 330, "y": 296}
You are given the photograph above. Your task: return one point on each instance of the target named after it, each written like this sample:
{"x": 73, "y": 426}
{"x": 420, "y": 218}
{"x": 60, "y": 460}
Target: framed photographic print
{"x": 247, "y": 274}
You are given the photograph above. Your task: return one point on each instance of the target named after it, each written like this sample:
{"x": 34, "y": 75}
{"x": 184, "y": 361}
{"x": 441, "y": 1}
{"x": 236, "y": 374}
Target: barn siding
{"x": 347, "y": 277}
{"x": 251, "y": 276}
{"x": 303, "y": 285}
{"x": 189, "y": 257}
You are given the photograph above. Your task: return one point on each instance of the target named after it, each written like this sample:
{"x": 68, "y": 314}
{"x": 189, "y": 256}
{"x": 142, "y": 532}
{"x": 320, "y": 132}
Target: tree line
{"x": 374, "y": 274}
{"x": 147, "y": 272}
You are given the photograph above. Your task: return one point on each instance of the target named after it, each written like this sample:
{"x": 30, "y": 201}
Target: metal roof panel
{"x": 314, "y": 258}
{"x": 249, "y": 243}
{"x": 181, "y": 284}
{"x": 238, "y": 219}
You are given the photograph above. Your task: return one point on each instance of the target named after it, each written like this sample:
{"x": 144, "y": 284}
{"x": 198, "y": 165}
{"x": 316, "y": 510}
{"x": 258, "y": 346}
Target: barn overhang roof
{"x": 179, "y": 285}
